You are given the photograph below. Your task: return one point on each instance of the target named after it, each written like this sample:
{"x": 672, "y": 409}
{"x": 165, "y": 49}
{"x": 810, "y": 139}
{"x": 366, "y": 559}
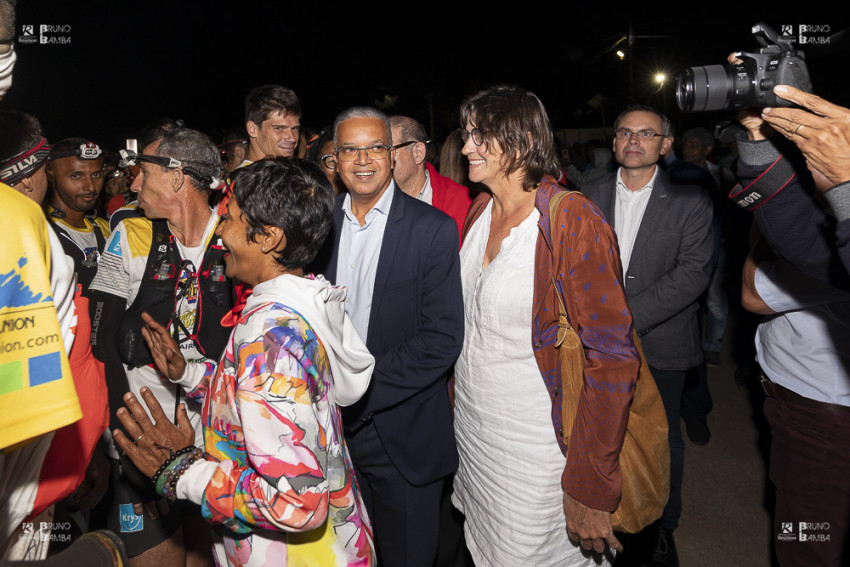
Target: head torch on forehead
{"x": 88, "y": 150}
{"x": 130, "y": 158}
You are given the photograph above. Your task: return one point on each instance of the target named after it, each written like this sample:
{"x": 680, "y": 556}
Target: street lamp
{"x": 660, "y": 78}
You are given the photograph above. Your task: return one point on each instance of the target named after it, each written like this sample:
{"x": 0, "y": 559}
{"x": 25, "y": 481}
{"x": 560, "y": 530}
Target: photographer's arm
{"x": 787, "y": 207}
{"x": 822, "y": 132}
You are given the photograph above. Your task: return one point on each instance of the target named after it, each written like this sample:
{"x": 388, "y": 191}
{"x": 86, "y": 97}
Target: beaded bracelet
{"x": 165, "y": 479}
{"x": 169, "y": 460}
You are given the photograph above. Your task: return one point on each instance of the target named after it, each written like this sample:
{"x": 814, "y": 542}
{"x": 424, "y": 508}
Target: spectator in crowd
{"x": 523, "y": 496}
{"x": 398, "y": 258}
{"x": 273, "y": 122}
{"x": 418, "y": 178}
{"x": 274, "y": 475}
{"x": 665, "y": 235}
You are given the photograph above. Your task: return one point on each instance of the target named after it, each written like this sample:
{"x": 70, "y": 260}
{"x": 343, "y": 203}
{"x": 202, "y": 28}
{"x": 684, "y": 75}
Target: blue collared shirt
{"x": 357, "y": 261}
{"x": 804, "y": 346}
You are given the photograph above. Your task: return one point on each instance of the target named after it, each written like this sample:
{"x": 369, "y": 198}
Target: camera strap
{"x": 764, "y": 187}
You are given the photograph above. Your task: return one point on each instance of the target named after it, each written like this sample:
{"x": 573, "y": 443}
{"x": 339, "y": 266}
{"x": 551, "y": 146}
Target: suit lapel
{"x": 339, "y": 215}
{"x": 607, "y": 200}
{"x": 652, "y": 217}
{"x": 389, "y": 245}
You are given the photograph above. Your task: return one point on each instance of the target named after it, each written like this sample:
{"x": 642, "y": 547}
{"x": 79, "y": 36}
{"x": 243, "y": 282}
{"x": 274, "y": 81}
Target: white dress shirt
{"x": 629, "y": 207}
{"x": 426, "y": 194}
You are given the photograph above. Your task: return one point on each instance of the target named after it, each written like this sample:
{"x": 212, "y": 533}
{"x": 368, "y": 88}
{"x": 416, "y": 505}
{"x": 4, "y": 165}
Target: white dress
{"x": 508, "y": 483}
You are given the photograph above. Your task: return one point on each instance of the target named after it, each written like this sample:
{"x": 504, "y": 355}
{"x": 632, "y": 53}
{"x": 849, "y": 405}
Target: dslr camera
{"x": 749, "y": 84}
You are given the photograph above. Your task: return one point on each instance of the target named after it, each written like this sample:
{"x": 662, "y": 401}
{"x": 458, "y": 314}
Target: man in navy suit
{"x": 398, "y": 258}
{"x": 664, "y": 230}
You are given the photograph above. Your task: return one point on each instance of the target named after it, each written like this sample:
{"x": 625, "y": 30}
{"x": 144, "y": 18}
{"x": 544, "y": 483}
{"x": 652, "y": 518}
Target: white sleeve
{"x": 63, "y": 280}
{"x": 113, "y": 268}
{"x": 7, "y": 63}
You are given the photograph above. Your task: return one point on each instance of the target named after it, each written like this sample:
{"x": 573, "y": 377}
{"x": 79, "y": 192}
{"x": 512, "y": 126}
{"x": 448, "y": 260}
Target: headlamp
{"x": 87, "y": 150}
{"x": 130, "y": 158}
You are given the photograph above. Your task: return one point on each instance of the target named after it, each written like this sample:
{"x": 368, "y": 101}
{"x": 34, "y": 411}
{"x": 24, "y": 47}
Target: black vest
{"x": 84, "y": 267}
{"x": 158, "y": 297}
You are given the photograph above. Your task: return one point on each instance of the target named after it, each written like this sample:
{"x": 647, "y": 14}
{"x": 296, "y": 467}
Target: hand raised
{"x": 819, "y": 128}
{"x": 165, "y": 350}
{"x": 154, "y": 440}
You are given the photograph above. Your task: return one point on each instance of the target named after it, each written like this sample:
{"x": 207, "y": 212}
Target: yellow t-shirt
{"x": 37, "y": 392}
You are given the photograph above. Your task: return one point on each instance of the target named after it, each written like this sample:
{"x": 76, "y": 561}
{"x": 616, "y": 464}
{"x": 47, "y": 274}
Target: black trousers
{"x": 405, "y": 518}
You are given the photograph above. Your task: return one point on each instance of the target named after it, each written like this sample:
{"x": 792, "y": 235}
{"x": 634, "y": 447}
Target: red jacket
{"x": 449, "y": 197}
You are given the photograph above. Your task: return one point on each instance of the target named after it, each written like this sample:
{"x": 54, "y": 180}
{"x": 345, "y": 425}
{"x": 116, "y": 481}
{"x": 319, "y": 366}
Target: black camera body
{"x": 748, "y": 84}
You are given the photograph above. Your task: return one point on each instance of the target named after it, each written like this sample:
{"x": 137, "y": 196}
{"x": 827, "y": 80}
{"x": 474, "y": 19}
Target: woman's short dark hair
{"x": 291, "y": 194}
{"x": 515, "y": 119}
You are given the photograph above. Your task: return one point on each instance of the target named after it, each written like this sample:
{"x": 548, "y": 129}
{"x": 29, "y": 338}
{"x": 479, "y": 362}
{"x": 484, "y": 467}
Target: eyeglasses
{"x": 351, "y": 153}
{"x": 477, "y": 136}
{"x": 409, "y": 142}
{"x": 626, "y": 134}
{"x": 329, "y": 161}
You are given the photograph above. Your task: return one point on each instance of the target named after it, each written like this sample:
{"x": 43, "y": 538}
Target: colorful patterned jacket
{"x": 278, "y": 476}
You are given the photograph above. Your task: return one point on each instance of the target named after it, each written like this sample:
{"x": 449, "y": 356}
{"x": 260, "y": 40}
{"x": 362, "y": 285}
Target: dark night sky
{"x": 131, "y": 62}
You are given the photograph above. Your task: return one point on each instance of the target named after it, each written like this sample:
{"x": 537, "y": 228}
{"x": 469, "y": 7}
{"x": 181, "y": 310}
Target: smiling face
{"x": 244, "y": 259}
{"x": 277, "y": 136}
{"x": 76, "y": 182}
{"x": 636, "y": 152}
{"x": 485, "y": 161}
{"x": 366, "y": 178}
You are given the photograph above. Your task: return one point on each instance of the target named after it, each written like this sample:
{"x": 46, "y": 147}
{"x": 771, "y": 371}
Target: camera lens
{"x": 700, "y": 89}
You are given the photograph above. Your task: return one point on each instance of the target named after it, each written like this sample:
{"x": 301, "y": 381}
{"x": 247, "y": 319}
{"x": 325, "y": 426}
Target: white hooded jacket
{"x": 323, "y": 306}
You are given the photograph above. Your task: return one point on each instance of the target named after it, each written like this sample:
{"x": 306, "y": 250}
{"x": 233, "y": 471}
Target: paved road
{"x": 726, "y": 519}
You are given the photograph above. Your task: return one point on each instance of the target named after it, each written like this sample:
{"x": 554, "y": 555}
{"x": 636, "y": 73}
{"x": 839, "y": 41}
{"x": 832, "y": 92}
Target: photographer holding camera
{"x": 800, "y": 343}
{"x": 794, "y": 277}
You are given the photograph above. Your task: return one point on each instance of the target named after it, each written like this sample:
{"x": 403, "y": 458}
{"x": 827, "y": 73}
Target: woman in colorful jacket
{"x": 274, "y": 477}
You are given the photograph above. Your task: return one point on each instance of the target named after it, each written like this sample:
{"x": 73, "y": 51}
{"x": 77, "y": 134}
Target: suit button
{"x": 561, "y": 432}
{"x": 557, "y": 392}
{"x": 538, "y": 344}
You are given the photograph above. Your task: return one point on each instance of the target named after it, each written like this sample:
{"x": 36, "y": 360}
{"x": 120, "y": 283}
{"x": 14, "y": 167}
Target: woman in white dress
{"x": 515, "y": 486}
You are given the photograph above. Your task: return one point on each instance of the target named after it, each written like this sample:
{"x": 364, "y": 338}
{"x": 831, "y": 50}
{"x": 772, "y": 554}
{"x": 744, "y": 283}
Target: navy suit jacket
{"x": 415, "y": 333}
{"x": 670, "y": 267}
